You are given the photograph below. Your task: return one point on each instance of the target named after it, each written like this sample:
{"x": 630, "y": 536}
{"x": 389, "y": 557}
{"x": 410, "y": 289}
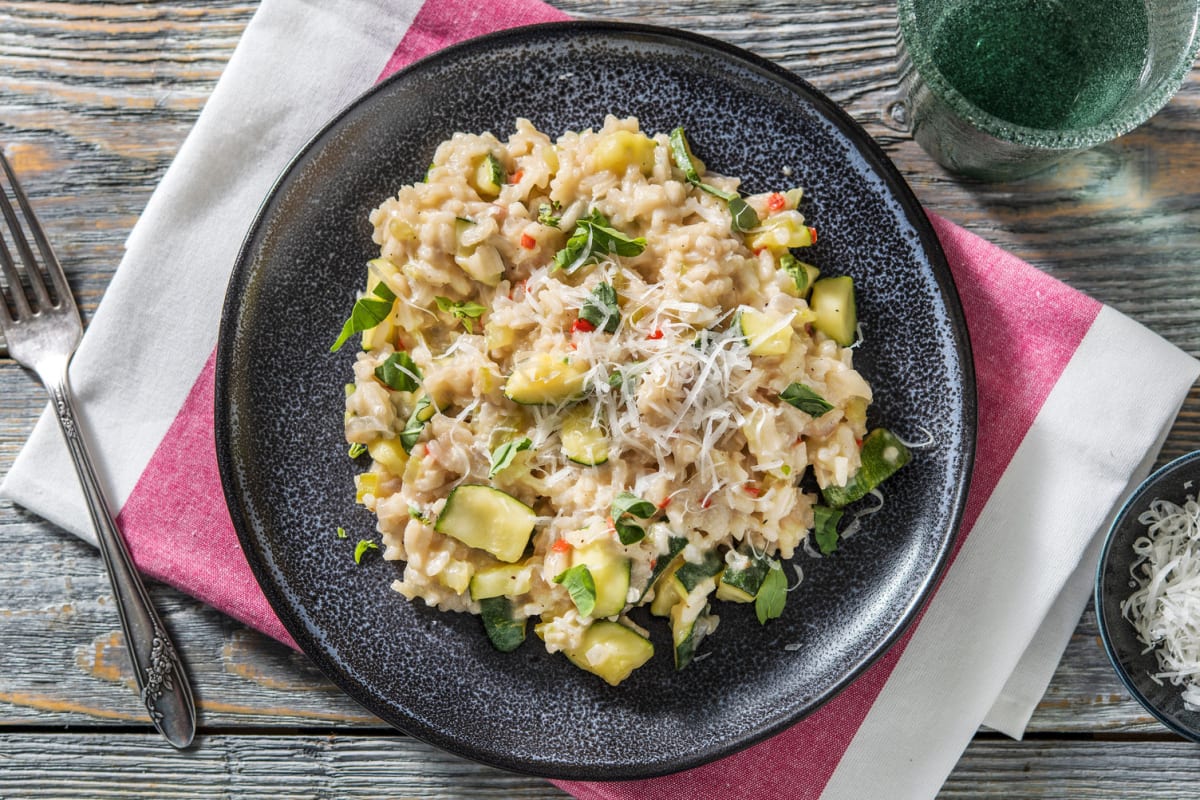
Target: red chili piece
{"x": 752, "y": 490}
{"x": 813, "y": 231}
{"x": 776, "y": 202}
{"x": 582, "y": 324}
{"x": 658, "y": 334}
{"x": 666, "y": 501}
{"x": 516, "y": 176}
{"x": 528, "y": 242}
{"x": 706, "y": 502}
{"x": 561, "y": 546}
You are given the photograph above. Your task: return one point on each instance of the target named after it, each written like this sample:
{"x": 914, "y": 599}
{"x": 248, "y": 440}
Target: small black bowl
{"x": 1173, "y": 482}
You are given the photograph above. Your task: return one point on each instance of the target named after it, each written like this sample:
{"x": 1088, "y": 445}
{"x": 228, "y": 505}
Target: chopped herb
{"x": 825, "y": 522}
{"x": 503, "y": 455}
{"x": 772, "y": 594}
{"x": 368, "y": 312}
{"x": 744, "y": 217}
{"x": 399, "y": 372}
{"x": 581, "y": 586}
{"x": 341, "y": 532}
{"x": 797, "y": 269}
{"x": 417, "y": 514}
{"x": 463, "y": 310}
{"x": 547, "y": 213}
{"x": 615, "y": 378}
{"x": 592, "y": 240}
{"x": 628, "y": 503}
{"x": 416, "y": 423}
{"x": 601, "y": 309}
{"x": 362, "y": 547}
{"x": 805, "y": 399}
{"x": 356, "y": 450}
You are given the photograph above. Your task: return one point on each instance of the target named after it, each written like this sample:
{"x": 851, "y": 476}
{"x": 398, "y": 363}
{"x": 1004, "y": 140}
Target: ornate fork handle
{"x": 164, "y": 686}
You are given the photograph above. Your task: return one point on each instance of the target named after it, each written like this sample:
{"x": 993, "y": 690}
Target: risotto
{"x": 595, "y": 377}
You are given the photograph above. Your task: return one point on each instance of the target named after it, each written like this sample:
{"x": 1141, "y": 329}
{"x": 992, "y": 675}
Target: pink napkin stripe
{"x": 178, "y": 527}
{"x": 1025, "y": 326}
{"x": 441, "y": 23}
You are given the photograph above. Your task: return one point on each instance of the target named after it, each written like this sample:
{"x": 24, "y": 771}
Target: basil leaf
{"x": 581, "y": 586}
{"x": 805, "y": 399}
{"x": 400, "y": 372}
{"x": 628, "y": 532}
{"x": 462, "y": 310}
{"x": 361, "y": 548}
{"x": 744, "y": 217}
{"x": 592, "y": 240}
{"x": 416, "y": 423}
{"x": 601, "y": 309}
{"x": 503, "y": 455}
{"x": 356, "y": 450}
{"x": 630, "y": 503}
{"x": 825, "y": 522}
{"x": 368, "y": 312}
{"x": 681, "y": 152}
{"x": 772, "y": 594}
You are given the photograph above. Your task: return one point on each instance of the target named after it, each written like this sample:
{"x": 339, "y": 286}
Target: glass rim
{"x": 915, "y": 45}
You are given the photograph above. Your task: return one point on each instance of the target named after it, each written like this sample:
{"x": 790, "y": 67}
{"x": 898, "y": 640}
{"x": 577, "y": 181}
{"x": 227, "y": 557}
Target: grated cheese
{"x": 1165, "y": 607}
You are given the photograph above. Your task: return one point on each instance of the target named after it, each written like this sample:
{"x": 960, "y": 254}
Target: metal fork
{"x": 42, "y": 333}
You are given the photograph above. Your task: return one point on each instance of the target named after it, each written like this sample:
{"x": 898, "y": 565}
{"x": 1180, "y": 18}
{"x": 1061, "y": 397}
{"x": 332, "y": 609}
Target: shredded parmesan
{"x": 1165, "y": 607}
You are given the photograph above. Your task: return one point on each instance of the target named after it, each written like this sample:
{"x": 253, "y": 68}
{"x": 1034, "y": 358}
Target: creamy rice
{"x": 690, "y": 415}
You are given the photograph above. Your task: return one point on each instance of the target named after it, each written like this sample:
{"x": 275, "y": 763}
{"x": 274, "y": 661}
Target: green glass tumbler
{"x": 1001, "y": 89}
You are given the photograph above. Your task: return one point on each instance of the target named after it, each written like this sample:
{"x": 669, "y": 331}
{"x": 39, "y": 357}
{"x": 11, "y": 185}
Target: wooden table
{"x": 95, "y": 99}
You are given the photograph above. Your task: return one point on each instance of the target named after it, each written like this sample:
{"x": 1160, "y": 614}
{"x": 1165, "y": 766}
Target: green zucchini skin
{"x": 741, "y": 584}
{"x": 504, "y": 630}
{"x": 883, "y": 454}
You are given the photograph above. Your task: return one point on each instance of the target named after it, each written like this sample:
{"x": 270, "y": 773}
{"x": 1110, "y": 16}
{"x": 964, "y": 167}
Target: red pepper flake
{"x": 813, "y": 232}
{"x": 658, "y": 334}
{"x": 758, "y": 253}
{"x": 666, "y": 501}
{"x": 612, "y": 526}
{"x": 574, "y": 346}
{"x": 653, "y": 563}
{"x": 706, "y": 502}
{"x": 776, "y": 202}
{"x": 528, "y": 242}
{"x": 582, "y": 324}
{"x": 752, "y": 490}
{"x": 560, "y": 546}
{"x": 516, "y": 176}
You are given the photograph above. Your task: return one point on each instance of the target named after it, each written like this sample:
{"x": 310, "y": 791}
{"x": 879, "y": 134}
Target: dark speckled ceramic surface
{"x": 1174, "y": 482}
{"x": 289, "y": 483}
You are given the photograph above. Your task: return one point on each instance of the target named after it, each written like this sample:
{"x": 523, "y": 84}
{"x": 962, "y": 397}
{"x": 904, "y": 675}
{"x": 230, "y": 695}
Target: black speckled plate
{"x": 1174, "y": 482}
{"x": 289, "y": 483}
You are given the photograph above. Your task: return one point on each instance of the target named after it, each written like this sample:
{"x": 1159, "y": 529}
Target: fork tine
{"x": 22, "y": 242}
{"x": 12, "y": 278}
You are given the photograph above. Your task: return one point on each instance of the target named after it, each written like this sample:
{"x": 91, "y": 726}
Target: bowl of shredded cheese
{"x": 1148, "y": 595}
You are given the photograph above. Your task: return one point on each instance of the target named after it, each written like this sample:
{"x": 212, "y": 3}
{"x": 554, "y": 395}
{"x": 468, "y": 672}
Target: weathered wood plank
{"x": 119, "y": 766}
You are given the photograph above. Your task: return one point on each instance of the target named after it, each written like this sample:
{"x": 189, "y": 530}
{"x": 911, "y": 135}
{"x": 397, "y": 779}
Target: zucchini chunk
{"x": 882, "y": 455}
{"x": 690, "y": 623}
{"x": 742, "y": 579}
{"x": 833, "y": 303}
{"x": 617, "y": 151}
{"x": 767, "y": 333}
{"x": 665, "y": 561}
{"x": 505, "y": 630}
{"x": 380, "y": 268}
{"x": 546, "y": 379}
{"x": 481, "y": 261}
{"x": 582, "y": 441}
{"x": 501, "y": 580}
{"x": 688, "y": 576}
{"x": 611, "y": 650}
{"x": 489, "y": 519}
{"x": 610, "y": 572}
{"x": 488, "y": 177}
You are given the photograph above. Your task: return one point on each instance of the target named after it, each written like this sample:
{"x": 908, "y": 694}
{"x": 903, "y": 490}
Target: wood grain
{"x": 95, "y": 100}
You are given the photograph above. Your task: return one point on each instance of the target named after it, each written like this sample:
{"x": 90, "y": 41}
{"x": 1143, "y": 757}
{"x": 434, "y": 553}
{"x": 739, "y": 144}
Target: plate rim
{"x": 880, "y": 165}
